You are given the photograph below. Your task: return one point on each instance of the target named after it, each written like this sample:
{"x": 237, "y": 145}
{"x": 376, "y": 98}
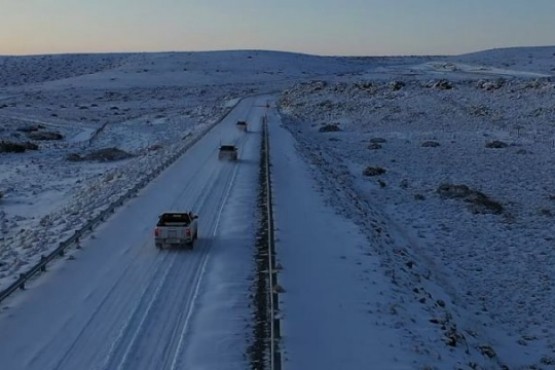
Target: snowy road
{"x": 334, "y": 286}
{"x": 119, "y": 303}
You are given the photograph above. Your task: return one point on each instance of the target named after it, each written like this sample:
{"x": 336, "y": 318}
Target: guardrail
{"x": 273, "y": 299}
{"x": 89, "y": 226}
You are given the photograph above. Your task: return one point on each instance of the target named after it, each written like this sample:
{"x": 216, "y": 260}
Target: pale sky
{"x": 325, "y": 27}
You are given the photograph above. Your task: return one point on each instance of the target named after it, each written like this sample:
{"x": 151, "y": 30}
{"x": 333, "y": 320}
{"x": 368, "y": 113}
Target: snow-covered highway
{"x": 119, "y": 303}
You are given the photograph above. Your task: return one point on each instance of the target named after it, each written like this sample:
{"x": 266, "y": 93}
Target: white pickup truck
{"x": 176, "y": 229}
{"x": 242, "y": 125}
{"x": 228, "y": 152}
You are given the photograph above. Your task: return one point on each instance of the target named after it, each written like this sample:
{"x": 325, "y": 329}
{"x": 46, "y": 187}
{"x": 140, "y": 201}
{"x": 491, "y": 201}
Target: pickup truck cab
{"x": 228, "y": 152}
{"x": 176, "y": 229}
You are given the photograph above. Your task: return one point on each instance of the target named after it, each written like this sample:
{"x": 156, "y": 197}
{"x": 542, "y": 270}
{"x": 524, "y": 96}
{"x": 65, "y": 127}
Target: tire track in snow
{"x": 126, "y": 275}
{"x": 194, "y": 297}
{"x": 114, "y": 353}
{"x": 181, "y": 320}
{"x": 134, "y": 316}
{"x": 114, "y": 287}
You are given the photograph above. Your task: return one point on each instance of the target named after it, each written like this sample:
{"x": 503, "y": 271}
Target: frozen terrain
{"x": 383, "y": 148}
{"x": 438, "y": 169}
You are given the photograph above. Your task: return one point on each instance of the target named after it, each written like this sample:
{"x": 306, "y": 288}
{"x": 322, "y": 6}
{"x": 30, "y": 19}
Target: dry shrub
{"x": 333, "y": 127}
{"x": 430, "y": 144}
{"x": 12, "y": 147}
{"x": 373, "y": 171}
{"x": 101, "y": 155}
{"x": 45, "y": 135}
{"x": 442, "y": 84}
{"x": 496, "y": 144}
{"x": 478, "y": 201}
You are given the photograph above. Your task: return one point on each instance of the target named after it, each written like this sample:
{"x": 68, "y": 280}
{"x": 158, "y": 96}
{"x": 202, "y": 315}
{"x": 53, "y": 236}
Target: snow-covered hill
{"x": 531, "y": 59}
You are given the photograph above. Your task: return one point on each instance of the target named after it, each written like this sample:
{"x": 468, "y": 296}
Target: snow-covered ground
{"x": 469, "y": 270}
{"x": 337, "y": 297}
{"x": 488, "y": 255}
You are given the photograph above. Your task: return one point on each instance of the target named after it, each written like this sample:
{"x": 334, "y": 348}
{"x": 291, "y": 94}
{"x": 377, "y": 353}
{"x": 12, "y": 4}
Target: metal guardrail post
{"x": 22, "y": 278}
{"x": 275, "y": 330}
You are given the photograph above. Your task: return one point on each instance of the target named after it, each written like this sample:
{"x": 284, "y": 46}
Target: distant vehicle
{"x": 228, "y": 152}
{"x": 242, "y": 125}
{"x": 176, "y": 229}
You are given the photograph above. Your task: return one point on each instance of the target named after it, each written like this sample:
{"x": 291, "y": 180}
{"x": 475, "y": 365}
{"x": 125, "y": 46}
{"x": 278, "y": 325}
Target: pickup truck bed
{"x": 176, "y": 229}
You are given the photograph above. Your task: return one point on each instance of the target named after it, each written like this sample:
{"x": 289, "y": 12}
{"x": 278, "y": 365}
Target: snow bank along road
{"x": 119, "y": 303}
